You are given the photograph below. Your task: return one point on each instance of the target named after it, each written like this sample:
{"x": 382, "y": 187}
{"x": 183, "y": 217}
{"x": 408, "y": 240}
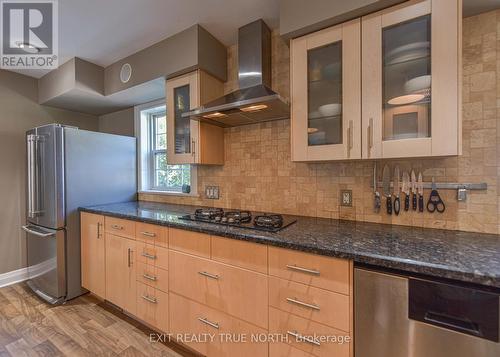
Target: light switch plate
{"x": 212, "y": 192}
{"x": 346, "y": 198}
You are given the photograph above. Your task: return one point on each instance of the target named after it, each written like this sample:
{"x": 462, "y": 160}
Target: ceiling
{"x": 104, "y": 31}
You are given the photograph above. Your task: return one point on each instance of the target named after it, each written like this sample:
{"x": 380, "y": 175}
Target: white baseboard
{"x": 13, "y": 277}
{"x": 16, "y": 276}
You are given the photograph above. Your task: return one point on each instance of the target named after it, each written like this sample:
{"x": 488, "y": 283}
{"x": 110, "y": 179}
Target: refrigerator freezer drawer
{"x": 46, "y": 265}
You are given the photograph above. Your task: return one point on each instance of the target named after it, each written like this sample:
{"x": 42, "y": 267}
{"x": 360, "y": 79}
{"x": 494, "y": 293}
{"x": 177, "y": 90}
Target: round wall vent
{"x": 125, "y": 73}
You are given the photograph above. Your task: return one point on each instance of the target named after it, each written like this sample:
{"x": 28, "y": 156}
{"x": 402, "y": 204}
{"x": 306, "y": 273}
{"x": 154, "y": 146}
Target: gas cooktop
{"x": 243, "y": 219}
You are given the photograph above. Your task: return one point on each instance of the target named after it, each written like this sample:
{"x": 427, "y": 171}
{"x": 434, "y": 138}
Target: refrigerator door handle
{"x": 37, "y": 232}
{"x": 30, "y": 150}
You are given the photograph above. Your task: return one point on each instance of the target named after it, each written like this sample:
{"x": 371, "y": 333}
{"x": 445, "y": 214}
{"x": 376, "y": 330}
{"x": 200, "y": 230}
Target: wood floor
{"x": 82, "y": 327}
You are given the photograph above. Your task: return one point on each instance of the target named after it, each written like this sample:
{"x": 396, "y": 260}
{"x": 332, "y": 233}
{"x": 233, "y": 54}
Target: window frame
{"x": 146, "y": 151}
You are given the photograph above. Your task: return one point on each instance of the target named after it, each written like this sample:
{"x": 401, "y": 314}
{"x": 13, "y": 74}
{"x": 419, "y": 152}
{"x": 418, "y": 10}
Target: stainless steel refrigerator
{"x": 68, "y": 168}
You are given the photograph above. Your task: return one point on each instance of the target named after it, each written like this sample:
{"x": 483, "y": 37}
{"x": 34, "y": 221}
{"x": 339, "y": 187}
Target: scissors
{"x": 435, "y": 202}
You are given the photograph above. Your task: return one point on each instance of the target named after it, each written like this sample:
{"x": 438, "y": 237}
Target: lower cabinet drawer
{"x": 152, "y": 276}
{"x": 326, "y": 307}
{"x": 238, "y": 292}
{"x": 309, "y": 336}
{"x": 152, "y": 306}
{"x": 219, "y": 335}
{"x": 152, "y": 255}
{"x": 120, "y": 227}
{"x": 281, "y": 349}
{"x": 311, "y": 269}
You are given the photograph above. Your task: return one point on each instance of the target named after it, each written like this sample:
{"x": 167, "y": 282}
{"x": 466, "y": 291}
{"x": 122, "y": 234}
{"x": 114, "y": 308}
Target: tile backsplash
{"x": 258, "y": 173}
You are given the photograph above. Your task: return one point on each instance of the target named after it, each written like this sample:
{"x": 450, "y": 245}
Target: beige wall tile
{"x": 259, "y": 175}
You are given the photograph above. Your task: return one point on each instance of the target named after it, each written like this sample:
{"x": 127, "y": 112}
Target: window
{"x": 154, "y": 172}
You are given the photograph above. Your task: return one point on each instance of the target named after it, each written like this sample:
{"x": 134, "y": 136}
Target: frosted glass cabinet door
{"x": 182, "y": 133}
{"x": 326, "y": 89}
{"x": 411, "y": 70}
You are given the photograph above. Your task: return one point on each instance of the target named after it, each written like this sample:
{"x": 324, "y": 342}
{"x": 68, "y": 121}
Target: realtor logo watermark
{"x": 28, "y": 34}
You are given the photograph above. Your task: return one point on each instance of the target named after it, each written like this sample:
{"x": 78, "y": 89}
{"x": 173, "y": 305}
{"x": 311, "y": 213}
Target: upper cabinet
{"x": 385, "y": 86}
{"x": 326, "y": 94}
{"x": 411, "y": 69}
{"x": 190, "y": 141}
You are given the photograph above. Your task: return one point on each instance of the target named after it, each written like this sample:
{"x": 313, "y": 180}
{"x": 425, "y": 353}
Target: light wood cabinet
{"x": 326, "y": 94}
{"x": 152, "y": 306}
{"x": 152, "y": 234}
{"x": 323, "y": 306}
{"x": 190, "y": 242}
{"x": 387, "y": 85}
{"x": 119, "y": 227}
{"x": 202, "y": 285}
{"x": 306, "y": 335}
{"x": 411, "y": 69}
{"x": 121, "y": 272}
{"x": 190, "y": 141}
{"x": 310, "y": 269}
{"x": 189, "y": 317}
{"x": 238, "y": 292}
{"x": 92, "y": 253}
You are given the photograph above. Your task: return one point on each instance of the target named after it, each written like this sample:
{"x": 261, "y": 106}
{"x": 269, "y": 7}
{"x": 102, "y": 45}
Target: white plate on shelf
{"x": 418, "y": 84}
{"x": 315, "y": 115}
{"x": 408, "y": 52}
{"x": 330, "y": 110}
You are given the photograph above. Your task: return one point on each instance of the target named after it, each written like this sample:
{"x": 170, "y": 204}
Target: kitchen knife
{"x": 420, "y": 193}
{"x": 397, "y": 202}
{"x": 406, "y": 190}
{"x": 376, "y": 204}
{"x": 414, "y": 190}
{"x": 386, "y": 183}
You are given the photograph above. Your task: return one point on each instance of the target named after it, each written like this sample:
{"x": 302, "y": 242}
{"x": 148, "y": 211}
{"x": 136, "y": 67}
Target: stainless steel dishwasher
{"x": 405, "y": 316}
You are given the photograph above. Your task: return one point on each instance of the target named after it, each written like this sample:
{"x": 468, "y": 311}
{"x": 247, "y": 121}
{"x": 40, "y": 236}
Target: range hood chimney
{"x": 255, "y": 101}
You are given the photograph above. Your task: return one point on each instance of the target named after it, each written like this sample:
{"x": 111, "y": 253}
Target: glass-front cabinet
{"x": 410, "y": 76}
{"x": 189, "y": 141}
{"x": 326, "y": 94}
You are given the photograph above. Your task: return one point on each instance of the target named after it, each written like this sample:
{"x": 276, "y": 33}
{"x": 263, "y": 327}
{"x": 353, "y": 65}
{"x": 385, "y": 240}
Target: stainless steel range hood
{"x": 255, "y": 101}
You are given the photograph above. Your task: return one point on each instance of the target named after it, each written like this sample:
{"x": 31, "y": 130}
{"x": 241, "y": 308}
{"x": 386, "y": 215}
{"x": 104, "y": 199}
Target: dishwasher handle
{"x": 455, "y": 307}
{"x": 452, "y": 322}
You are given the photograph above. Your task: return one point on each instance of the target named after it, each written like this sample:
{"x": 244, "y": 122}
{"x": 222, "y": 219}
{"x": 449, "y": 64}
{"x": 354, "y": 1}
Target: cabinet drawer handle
{"x": 208, "y": 275}
{"x": 148, "y": 234}
{"x": 301, "y": 303}
{"x": 303, "y": 270}
{"x": 129, "y": 260}
{"x": 370, "y": 136}
{"x": 209, "y": 323}
{"x": 149, "y": 256}
{"x": 149, "y": 277}
{"x": 150, "y": 299}
{"x": 115, "y": 226}
{"x": 99, "y": 234}
{"x": 301, "y": 338}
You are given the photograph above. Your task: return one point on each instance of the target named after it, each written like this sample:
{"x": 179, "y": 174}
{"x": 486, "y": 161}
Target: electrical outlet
{"x": 346, "y": 198}
{"x": 212, "y": 192}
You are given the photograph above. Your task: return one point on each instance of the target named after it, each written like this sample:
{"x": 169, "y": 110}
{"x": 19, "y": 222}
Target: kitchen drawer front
{"x": 281, "y": 349}
{"x": 190, "y": 317}
{"x": 189, "y": 242}
{"x": 320, "y": 341}
{"x": 152, "y": 234}
{"x": 310, "y": 269}
{"x": 238, "y": 292}
{"x": 152, "y": 306}
{"x": 119, "y": 227}
{"x": 152, "y": 276}
{"x": 326, "y": 307}
{"x": 152, "y": 255}
{"x": 242, "y": 254}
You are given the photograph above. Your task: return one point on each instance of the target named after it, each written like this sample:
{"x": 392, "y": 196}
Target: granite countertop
{"x": 463, "y": 256}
